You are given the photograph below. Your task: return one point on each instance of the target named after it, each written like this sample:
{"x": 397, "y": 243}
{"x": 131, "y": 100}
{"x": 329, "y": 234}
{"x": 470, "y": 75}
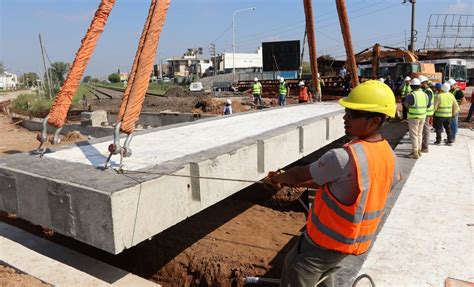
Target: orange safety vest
{"x": 304, "y": 95}
{"x": 350, "y": 229}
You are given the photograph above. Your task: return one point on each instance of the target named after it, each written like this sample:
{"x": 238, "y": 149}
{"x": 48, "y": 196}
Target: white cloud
{"x": 460, "y": 7}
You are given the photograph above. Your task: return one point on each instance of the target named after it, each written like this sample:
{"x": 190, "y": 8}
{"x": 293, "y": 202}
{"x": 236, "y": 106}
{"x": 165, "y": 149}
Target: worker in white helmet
{"x": 416, "y": 103}
{"x": 445, "y": 107}
{"x": 228, "y": 107}
{"x": 283, "y": 92}
{"x": 257, "y": 92}
{"x": 405, "y": 89}
{"x": 459, "y": 96}
{"x": 304, "y": 94}
{"x": 429, "y": 112}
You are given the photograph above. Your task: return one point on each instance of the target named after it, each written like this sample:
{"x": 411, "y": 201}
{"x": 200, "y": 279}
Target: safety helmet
{"x": 446, "y": 87}
{"x": 301, "y": 84}
{"x": 438, "y": 86}
{"x": 422, "y": 78}
{"x": 228, "y": 101}
{"x": 382, "y": 80}
{"x": 371, "y": 96}
{"x": 282, "y": 79}
{"x": 452, "y": 81}
{"x": 407, "y": 78}
{"x": 255, "y": 79}
{"x": 431, "y": 84}
{"x": 415, "y": 82}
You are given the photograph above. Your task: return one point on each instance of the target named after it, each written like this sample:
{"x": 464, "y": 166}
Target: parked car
{"x": 196, "y": 87}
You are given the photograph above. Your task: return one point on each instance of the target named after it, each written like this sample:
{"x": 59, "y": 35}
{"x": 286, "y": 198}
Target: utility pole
{"x": 48, "y": 80}
{"x": 346, "y": 34}
{"x": 302, "y": 52}
{"x": 308, "y": 11}
{"x": 413, "y": 31}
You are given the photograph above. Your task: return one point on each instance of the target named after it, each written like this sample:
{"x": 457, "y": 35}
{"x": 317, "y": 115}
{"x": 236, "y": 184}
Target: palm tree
{"x": 58, "y": 72}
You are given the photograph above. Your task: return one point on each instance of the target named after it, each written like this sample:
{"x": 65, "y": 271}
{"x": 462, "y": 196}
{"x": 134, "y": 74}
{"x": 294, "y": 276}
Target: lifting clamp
{"x": 116, "y": 148}
{"x": 43, "y": 137}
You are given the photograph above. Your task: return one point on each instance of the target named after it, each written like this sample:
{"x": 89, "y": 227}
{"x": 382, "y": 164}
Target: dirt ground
{"x": 16, "y": 139}
{"x": 12, "y": 278}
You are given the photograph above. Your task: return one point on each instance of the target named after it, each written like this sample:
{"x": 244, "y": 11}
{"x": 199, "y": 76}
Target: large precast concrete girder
{"x": 66, "y": 192}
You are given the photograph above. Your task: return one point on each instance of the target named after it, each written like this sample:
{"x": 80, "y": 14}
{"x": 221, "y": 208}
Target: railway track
{"x": 104, "y": 93}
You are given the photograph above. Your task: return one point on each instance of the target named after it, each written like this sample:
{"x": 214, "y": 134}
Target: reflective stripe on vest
{"x": 430, "y": 110}
{"x": 303, "y": 95}
{"x": 282, "y": 89}
{"x": 418, "y": 110}
{"x": 351, "y": 228}
{"x": 445, "y": 107}
{"x": 256, "y": 88}
{"x": 406, "y": 90}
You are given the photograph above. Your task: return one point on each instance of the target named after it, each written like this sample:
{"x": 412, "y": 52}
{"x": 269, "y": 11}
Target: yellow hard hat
{"x": 371, "y": 96}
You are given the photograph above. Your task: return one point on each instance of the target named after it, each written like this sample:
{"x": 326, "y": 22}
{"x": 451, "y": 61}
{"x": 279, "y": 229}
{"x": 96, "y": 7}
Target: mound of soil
{"x": 73, "y": 136}
{"x": 177, "y": 92}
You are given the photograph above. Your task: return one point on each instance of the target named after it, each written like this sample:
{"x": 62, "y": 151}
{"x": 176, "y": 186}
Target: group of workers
{"x": 425, "y": 103}
{"x": 304, "y": 93}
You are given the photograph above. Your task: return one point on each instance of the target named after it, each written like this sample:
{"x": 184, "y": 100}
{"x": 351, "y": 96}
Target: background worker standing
{"x": 416, "y": 103}
{"x": 304, "y": 95}
{"x": 257, "y": 92}
{"x": 459, "y": 96}
{"x": 353, "y": 185}
{"x": 405, "y": 89}
{"x": 429, "y": 113}
{"x": 283, "y": 92}
{"x": 445, "y": 107}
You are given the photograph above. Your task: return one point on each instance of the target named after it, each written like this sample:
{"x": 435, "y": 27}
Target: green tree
{"x": 114, "y": 78}
{"x": 58, "y": 72}
{"x": 87, "y": 79}
{"x": 29, "y": 79}
{"x": 2, "y": 69}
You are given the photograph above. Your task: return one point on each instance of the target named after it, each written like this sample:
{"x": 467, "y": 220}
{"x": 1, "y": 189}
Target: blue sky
{"x": 197, "y": 23}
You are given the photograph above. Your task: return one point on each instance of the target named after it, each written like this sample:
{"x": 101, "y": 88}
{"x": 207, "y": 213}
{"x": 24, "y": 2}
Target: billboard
{"x": 281, "y": 56}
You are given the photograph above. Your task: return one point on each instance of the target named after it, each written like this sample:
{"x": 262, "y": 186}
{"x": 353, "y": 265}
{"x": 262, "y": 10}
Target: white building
{"x": 187, "y": 65}
{"x": 8, "y": 81}
{"x": 243, "y": 61}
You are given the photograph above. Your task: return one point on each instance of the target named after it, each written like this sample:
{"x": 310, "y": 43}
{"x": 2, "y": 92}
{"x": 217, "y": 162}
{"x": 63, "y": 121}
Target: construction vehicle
{"x": 376, "y": 63}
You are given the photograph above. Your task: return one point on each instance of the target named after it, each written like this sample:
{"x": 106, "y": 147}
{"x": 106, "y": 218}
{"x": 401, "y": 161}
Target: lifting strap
{"x": 58, "y": 113}
{"x": 138, "y": 80}
{"x": 143, "y": 64}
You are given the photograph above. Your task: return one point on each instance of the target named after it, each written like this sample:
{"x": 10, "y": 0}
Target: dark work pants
{"x": 307, "y": 263}
{"x": 439, "y": 124}
{"x": 404, "y": 109}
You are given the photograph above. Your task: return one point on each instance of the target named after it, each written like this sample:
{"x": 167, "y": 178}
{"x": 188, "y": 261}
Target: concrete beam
{"x": 66, "y": 192}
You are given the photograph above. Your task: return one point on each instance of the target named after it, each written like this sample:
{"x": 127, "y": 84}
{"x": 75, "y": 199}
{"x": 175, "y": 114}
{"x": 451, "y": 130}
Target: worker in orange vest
{"x": 304, "y": 95}
{"x": 353, "y": 182}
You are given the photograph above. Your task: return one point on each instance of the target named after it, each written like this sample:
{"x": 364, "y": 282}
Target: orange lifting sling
{"x": 58, "y": 112}
{"x": 137, "y": 83}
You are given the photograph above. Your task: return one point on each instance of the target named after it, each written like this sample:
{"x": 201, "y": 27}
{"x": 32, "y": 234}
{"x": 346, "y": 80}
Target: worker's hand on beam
{"x": 269, "y": 184}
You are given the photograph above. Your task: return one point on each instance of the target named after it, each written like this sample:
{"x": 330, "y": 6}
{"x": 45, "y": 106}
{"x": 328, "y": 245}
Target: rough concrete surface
{"x": 66, "y": 192}
{"x": 429, "y": 235}
{"x": 57, "y": 265}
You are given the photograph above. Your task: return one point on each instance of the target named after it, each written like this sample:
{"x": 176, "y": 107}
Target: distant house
{"x": 8, "y": 81}
{"x": 187, "y": 65}
{"x": 123, "y": 77}
{"x": 224, "y": 63}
